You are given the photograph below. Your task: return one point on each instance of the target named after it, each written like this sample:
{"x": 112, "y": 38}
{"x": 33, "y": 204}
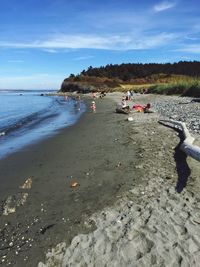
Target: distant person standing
{"x": 93, "y": 95}
{"x": 93, "y": 106}
{"x": 128, "y": 95}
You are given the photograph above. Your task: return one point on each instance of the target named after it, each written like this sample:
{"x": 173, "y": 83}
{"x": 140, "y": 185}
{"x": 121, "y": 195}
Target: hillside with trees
{"x": 136, "y": 76}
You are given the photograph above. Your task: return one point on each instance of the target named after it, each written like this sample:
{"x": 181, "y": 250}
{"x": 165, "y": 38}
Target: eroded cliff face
{"x": 75, "y": 87}
{"x": 88, "y": 84}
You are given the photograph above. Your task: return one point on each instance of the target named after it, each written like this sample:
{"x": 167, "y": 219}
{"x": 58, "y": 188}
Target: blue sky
{"x": 43, "y": 41}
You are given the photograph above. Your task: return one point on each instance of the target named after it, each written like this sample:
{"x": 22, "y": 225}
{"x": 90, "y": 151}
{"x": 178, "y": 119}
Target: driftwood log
{"x": 187, "y": 145}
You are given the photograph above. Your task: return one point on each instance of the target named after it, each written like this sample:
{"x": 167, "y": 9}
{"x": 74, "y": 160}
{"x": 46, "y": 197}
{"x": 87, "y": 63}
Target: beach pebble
{"x": 170, "y": 108}
{"x": 119, "y": 164}
{"x": 11, "y": 244}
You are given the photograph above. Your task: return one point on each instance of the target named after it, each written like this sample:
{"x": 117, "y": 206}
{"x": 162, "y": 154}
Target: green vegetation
{"x": 184, "y": 88}
{"x": 180, "y": 78}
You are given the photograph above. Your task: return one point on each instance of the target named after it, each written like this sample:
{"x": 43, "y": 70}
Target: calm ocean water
{"x": 28, "y": 116}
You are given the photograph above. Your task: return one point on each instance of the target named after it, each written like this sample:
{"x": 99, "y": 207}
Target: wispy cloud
{"x": 163, "y": 6}
{"x": 15, "y": 61}
{"x": 194, "y": 49}
{"x": 51, "y": 51}
{"x": 111, "y": 42}
{"x": 83, "y": 58}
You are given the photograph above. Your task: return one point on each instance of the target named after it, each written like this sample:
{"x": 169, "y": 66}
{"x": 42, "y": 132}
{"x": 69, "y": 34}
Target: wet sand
{"x": 125, "y": 211}
{"x": 88, "y": 152}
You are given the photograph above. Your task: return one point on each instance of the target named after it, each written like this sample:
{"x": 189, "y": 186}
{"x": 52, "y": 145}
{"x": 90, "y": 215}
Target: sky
{"x": 44, "y": 41}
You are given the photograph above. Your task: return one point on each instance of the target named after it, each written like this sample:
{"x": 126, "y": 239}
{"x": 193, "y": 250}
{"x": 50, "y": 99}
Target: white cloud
{"x": 108, "y": 42}
{"x": 163, "y": 6}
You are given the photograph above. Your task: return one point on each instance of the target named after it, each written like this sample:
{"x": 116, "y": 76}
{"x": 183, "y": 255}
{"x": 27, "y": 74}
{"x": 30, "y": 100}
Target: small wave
{"x": 2, "y": 133}
{"x": 55, "y": 108}
{"x": 32, "y": 120}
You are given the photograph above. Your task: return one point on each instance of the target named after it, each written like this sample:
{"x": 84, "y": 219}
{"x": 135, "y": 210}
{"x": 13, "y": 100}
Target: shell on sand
{"x": 27, "y": 184}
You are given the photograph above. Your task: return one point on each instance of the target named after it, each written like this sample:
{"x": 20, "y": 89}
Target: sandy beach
{"x": 125, "y": 211}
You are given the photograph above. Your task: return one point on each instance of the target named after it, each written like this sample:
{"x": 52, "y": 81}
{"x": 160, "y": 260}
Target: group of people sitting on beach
{"x": 136, "y": 107}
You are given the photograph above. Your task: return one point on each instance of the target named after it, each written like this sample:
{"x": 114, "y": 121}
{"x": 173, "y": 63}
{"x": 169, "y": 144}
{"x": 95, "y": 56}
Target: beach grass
{"x": 176, "y": 85}
{"x": 183, "y": 88}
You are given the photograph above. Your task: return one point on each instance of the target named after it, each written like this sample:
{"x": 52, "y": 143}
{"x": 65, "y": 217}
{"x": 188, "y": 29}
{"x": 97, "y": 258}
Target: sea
{"x": 28, "y": 116}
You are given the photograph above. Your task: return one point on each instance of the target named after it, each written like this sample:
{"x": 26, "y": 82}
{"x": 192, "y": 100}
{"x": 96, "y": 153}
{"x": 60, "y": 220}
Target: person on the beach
{"x": 93, "y": 95}
{"x": 147, "y": 108}
{"x": 93, "y": 106}
{"x": 128, "y": 95}
{"x": 124, "y": 104}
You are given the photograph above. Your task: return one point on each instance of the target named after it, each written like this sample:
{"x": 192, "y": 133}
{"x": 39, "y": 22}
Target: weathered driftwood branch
{"x": 187, "y": 145}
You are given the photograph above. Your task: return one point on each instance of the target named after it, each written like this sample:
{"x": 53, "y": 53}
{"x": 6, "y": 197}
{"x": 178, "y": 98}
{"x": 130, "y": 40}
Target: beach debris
{"x": 64, "y": 220}
{"x": 45, "y": 228}
{"x": 12, "y": 202}
{"x": 130, "y": 118}
{"x": 74, "y": 184}
{"x": 187, "y": 145}
{"x": 119, "y": 164}
{"x": 122, "y": 110}
{"x": 168, "y": 177}
{"x": 139, "y": 166}
{"x": 195, "y": 221}
{"x": 27, "y": 184}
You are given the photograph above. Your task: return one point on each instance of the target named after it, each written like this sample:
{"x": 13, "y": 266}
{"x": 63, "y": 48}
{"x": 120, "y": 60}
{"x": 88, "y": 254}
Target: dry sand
{"x": 126, "y": 211}
{"x": 152, "y": 224}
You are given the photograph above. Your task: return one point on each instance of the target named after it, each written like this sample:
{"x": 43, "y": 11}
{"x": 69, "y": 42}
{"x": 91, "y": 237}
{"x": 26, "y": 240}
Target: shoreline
{"x": 124, "y": 166}
{"x": 80, "y": 151}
